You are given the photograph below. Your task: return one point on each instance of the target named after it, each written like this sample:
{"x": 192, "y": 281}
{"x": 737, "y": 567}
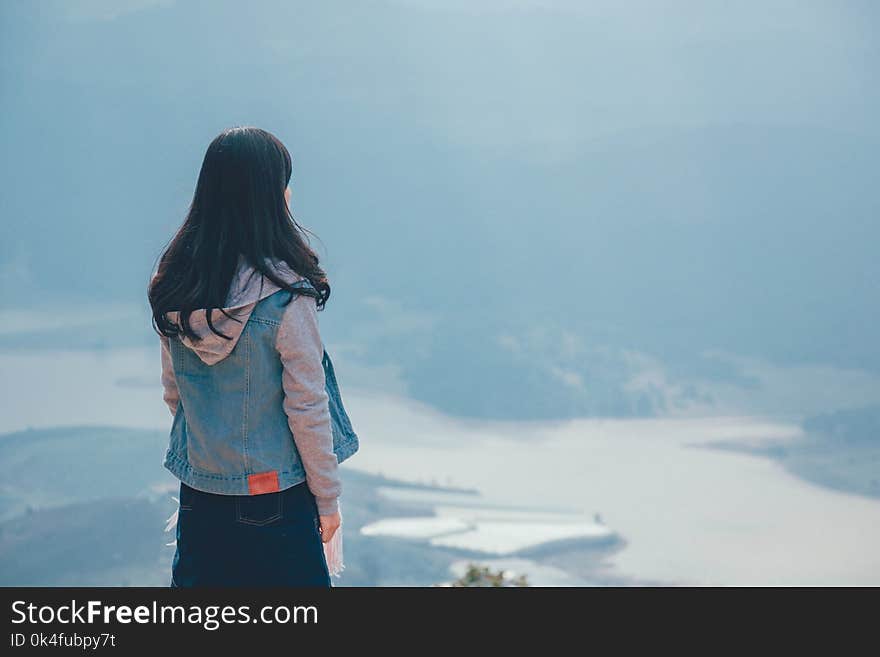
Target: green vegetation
{"x": 477, "y": 575}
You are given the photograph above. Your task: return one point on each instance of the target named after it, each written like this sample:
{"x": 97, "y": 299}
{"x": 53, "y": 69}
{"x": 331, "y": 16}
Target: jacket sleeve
{"x": 306, "y": 402}
{"x": 170, "y": 393}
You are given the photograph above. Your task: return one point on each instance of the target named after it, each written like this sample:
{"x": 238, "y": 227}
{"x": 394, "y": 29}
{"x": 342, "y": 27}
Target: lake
{"x": 689, "y": 514}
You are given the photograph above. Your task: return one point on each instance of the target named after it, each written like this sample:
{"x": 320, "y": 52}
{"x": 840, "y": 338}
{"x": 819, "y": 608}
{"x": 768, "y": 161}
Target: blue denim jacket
{"x": 230, "y": 433}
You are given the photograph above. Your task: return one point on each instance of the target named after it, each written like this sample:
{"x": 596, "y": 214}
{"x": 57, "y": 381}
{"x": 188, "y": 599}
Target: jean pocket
{"x": 258, "y": 510}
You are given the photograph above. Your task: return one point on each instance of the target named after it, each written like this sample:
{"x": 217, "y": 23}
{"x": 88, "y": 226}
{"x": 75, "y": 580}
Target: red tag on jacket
{"x": 263, "y": 482}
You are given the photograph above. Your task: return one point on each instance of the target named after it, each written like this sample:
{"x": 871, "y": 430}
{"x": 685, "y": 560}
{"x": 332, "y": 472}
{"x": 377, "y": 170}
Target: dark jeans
{"x": 248, "y": 540}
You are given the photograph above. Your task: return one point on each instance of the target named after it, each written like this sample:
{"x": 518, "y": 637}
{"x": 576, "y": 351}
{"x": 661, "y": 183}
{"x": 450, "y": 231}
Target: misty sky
{"x": 527, "y": 209}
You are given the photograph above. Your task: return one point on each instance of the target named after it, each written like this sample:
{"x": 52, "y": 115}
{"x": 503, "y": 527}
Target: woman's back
{"x": 238, "y": 429}
{"x": 258, "y": 416}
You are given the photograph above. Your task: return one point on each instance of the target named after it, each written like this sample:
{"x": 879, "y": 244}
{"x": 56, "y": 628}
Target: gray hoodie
{"x": 298, "y": 341}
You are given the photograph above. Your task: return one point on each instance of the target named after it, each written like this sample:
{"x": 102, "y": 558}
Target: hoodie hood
{"x": 248, "y": 287}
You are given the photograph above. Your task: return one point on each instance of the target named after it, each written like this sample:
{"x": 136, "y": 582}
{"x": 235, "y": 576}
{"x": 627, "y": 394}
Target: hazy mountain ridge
{"x": 839, "y": 450}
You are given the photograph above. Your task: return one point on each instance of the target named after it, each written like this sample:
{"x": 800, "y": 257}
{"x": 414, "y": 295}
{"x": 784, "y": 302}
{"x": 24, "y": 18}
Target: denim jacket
{"x": 263, "y": 411}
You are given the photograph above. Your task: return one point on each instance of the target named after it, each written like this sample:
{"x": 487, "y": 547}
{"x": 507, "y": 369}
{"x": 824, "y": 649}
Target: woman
{"x": 259, "y": 427}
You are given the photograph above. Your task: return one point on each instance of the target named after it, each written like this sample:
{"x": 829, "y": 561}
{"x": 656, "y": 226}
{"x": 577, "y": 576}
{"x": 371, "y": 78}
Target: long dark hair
{"x": 238, "y": 209}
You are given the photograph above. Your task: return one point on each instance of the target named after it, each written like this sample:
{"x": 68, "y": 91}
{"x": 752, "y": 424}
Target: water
{"x": 689, "y": 515}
